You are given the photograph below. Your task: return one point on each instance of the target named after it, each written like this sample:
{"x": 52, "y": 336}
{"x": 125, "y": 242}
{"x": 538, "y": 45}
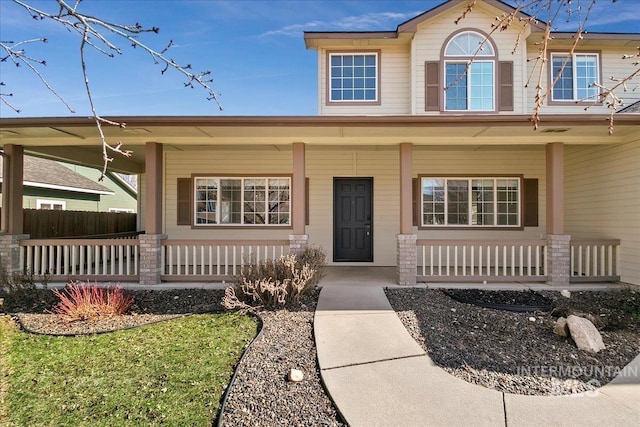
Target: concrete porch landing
{"x": 367, "y": 276}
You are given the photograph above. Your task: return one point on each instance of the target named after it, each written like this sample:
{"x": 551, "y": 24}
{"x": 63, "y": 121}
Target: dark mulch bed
{"x": 518, "y": 352}
{"x": 502, "y": 300}
{"x": 30, "y": 307}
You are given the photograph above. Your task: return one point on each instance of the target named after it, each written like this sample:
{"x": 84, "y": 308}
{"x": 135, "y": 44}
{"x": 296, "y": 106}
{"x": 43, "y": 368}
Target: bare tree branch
{"x": 96, "y": 33}
{"x": 553, "y": 9}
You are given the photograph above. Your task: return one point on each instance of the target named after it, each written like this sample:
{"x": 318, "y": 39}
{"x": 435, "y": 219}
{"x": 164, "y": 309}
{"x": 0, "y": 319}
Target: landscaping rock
{"x": 561, "y": 328}
{"x": 295, "y": 375}
{"x": 585, "y": 334}
{"x": 565, "y": 293}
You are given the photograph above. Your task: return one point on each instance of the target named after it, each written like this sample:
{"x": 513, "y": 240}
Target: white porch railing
{"x": 81, "y": 259}
{"x": 478, "y": 260}
{"x": 595, "y": 260}
{"x": 211, "y": 260}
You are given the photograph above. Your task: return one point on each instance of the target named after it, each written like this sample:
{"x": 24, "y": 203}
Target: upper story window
{"x": 354, "y": 77}
{"x": 242, "y": 201}
{"x": 576, "y": 75}
{"x": 469, "y": 67}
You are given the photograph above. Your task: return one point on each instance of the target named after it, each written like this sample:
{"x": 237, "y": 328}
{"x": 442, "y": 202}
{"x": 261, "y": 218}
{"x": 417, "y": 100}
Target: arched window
{"x": 469, "y": 71}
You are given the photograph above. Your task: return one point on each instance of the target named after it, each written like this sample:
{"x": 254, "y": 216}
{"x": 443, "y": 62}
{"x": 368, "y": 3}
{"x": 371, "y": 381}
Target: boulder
{"x": 584, "y": 334}
{"x": 561, "y": 328}
{"x": 565, "y": 293}
{"x": 295, "y": 375}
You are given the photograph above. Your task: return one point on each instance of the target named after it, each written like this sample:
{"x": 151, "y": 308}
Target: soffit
{"x": 72, "y": 140}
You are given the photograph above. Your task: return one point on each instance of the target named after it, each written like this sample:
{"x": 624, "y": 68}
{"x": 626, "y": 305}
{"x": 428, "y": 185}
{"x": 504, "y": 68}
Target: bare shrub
{"x": 316, "y": 257}
{"x": 276, "y": 284}
{"x": 90, "y": 302}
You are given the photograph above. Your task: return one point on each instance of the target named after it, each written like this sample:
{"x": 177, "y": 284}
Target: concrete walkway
{"x": 378, "y": 375}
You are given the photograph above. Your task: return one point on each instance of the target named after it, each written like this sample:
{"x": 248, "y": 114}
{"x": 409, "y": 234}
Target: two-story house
{"x": 423, "y": 157}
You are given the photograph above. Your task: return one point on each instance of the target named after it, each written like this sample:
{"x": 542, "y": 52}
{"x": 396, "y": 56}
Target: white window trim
{"x": 40, "y": 202}
{"x": 574, "y": 80}
{"x": 466, "y": 76}
{"x": 478, "y": 53}
{"x": 469, "y": 203}
{"x": 124, "y": 210}
{"x": 242, "y": 201}
{"x": 377, "y": 73}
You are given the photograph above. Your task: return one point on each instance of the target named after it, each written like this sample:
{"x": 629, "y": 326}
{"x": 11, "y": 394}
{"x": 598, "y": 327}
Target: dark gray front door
{"x": 353, "y": 219}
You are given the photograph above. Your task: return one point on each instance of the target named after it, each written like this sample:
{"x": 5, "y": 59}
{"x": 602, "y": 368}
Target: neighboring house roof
{"x": 631, "y": 109}
{"x": 44, "y": 173}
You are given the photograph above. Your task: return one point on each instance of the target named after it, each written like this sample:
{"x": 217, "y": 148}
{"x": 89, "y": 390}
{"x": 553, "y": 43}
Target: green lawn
{"x": 168, "y": 373}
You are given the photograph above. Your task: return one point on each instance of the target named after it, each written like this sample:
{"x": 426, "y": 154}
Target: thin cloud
{"x": 365, "y": 22}
{"x": 603, "y": 14}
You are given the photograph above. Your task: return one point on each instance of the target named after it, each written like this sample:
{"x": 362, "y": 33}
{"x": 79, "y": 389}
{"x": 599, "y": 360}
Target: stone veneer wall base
{"x": 407, "y": 263}
{"x": 151, "y": 264}
{"x": 558, "y": 259}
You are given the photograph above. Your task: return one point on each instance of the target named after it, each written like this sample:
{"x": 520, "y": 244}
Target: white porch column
{"x": 558, "y": 243}
{"x": 151, "y": 241}
{"x": 406, "y": 241}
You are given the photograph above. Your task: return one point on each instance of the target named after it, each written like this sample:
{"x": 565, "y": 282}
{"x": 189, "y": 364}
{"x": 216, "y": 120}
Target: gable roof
{"x": 412, "y": 24}
{"x": 405, "y": 29}
{"x": 44, "y": 173}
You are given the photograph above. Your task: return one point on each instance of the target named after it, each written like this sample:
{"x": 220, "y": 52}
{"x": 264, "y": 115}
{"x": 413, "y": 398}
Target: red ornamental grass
{"x": 90, "y": 302}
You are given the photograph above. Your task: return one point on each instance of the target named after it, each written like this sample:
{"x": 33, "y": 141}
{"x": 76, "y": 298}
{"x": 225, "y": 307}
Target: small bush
{"x": 90, "y": 302}
{"x": 275, "y": 284}
{"x": 316, "y": 258}
{"x": 21, "y": 282}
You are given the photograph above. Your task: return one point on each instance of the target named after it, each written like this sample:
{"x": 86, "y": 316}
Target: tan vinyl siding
{"x": 603, "y": 198}
{"x": 612, "y": 64}
{"x": 381, "y": 163}
{"x": 394, "y": 85}
{"x": 216, "y": 161}
{"x": 488, "y": 161}
{"x": 431, "y": 36}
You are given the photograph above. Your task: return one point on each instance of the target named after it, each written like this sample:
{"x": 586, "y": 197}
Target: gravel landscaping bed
{"x": 519, "y": 352}
{"x": 261, "y": 393}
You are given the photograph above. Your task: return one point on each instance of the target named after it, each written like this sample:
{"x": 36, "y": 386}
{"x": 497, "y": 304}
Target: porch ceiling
{"x": 76, "y": 140}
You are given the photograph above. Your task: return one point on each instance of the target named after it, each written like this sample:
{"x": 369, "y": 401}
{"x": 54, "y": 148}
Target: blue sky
{"x": 254, "y": 49}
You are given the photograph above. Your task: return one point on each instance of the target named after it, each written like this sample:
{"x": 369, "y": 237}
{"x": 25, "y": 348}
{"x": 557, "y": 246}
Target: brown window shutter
{"x": 432, "y": 86}
{"x": 506, "y": 86}
{"x": 415, "y": 183}
{"x": 530, "y": 197}
{"x": 184, "y": 198}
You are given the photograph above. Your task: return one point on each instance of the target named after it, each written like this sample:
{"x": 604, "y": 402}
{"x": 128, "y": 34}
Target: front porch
{"x": 557, "y": 248}
{"x": 210, "y": 261}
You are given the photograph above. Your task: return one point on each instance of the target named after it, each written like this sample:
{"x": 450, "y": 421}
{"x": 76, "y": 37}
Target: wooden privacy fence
{"x": 47, "y": 224}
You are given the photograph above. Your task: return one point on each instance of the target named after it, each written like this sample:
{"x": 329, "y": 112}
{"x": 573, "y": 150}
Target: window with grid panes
{"x": 353, "y": 77}
{"x": 262, "y": 201}
{"x": 473, "y": 202}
